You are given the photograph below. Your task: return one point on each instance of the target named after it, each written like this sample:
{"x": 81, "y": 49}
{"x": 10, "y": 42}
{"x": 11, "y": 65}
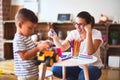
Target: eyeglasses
{"x": 80, "y": 24}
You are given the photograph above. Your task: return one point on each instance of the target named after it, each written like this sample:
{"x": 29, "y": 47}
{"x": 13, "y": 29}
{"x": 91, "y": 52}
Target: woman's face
{"x": 80, "y": 24}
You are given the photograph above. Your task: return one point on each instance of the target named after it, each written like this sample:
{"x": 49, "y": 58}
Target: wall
{"x": 50, "y": 8}
{"x": 18, "y": 4}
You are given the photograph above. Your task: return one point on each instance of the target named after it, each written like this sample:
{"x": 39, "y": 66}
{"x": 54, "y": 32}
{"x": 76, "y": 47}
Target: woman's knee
{"x": 93, "y": 70}
{"x": 57, "y": 71}
{"x": 94, "y": 73}
{"x": 81, "y": 75}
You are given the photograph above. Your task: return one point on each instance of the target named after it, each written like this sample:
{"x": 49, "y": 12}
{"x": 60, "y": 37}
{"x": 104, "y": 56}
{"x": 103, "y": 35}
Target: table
{"x": 76, "y": 61}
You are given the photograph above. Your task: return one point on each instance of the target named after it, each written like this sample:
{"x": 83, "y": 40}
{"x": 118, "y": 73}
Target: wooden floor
{"x": 107, "y": 74}
{"x": 110, "y": 74}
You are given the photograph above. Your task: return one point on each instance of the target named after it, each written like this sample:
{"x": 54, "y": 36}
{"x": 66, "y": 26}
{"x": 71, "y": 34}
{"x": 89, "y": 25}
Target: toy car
{"x": 47, "y": 56}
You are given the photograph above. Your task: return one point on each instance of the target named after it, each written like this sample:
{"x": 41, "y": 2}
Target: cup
{"x": 75, "y": 48}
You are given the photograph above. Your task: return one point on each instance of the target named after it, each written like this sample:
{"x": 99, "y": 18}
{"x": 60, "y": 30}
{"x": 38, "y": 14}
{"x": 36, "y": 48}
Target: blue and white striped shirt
{"x": 23, "y": 67}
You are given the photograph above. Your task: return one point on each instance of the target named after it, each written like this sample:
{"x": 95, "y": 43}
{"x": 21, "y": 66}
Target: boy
{"x": 24, "y": 48}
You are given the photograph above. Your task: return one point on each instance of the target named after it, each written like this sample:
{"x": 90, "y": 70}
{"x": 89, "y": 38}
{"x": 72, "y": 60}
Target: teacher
{"x": 90, "y": 41}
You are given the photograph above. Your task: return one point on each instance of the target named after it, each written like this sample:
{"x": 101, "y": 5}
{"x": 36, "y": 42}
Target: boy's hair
{"x": 26, "y": 15}
{"x": 88, "y": 18}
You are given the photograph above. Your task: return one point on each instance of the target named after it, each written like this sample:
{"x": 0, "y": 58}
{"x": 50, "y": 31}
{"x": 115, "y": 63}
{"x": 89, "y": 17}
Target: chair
{"x": 103, "y": 54}
{"x": 44, "y": 73}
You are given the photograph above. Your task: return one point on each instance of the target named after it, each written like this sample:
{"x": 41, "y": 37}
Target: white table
{"x": 76, "y": 62}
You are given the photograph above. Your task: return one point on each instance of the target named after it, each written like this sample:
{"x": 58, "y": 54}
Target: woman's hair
{"x": 92, "y": 21}
{"x": 88, "y": 18}
{"x": 26, "y": 15}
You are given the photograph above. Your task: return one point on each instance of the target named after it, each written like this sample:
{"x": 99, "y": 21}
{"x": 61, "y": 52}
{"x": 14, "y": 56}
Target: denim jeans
{"x": 76, "y": 73}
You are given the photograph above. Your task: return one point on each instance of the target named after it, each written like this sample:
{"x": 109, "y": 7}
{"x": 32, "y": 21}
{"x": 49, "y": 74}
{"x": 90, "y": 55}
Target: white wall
{"x": 17, "y": 2}
{"x": 30, "y": 4}
{"x": 50, "y": 8}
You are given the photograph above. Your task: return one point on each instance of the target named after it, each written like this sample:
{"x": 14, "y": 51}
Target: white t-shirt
{"x": 74, "y": 35}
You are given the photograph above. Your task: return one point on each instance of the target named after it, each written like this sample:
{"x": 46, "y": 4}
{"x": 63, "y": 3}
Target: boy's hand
{"x": 43, "y": 45}
{"x": 50, "y": 43}
{"x": 52, "y": 33}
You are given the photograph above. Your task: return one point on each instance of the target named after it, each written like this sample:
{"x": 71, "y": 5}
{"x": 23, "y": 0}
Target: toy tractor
{"x": 47, "y": 56}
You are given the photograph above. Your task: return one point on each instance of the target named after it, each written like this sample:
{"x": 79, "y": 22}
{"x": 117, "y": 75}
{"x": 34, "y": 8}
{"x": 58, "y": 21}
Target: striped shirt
{"x": 96, "y": 34}
{"x": 23, "y": 67}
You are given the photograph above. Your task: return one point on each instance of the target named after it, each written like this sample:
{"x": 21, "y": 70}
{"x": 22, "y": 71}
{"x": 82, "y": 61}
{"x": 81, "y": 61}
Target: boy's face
{"x": 27, "y": 28}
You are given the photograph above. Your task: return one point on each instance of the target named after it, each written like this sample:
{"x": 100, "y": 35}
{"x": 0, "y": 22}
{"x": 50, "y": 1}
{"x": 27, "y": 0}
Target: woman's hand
{"x": 88, "y": 28}
{"x": 52, "y": 34}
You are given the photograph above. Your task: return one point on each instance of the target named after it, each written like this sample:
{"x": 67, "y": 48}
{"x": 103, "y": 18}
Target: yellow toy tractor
{"x": 47, "y": 56}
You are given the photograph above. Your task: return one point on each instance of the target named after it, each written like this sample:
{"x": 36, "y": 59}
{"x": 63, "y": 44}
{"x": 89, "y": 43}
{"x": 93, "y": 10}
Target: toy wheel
{"x": 41, "y": 53}
{"x": 36, "y": 62}
{"x": 55, "y": 57}
{"x": 49, "y": 62}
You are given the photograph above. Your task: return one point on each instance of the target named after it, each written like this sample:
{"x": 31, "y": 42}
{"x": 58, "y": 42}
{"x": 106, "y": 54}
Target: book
{"x": 85, "y": 56}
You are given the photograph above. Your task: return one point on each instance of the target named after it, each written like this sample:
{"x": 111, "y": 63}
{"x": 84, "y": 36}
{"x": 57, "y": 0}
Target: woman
{"x": 91, "y": 41}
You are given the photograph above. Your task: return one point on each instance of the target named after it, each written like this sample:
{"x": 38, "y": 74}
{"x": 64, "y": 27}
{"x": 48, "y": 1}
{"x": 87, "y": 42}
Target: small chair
{"x": 103, "y": 54}
{"x": 44, "y": 73}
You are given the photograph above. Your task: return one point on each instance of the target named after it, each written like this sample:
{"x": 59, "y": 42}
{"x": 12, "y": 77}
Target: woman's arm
{"x": 64, "y": 46}
{"x": 91, "y": 45}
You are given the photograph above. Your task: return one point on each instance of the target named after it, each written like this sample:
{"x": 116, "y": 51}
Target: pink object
{"x": 104, "y": 38}
{"x": 66, "y": 58}
{"x": 85, "y": 56}
{"x": 59, "y": 51}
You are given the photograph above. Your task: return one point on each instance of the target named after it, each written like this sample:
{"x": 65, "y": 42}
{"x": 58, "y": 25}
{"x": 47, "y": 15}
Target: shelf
{"x": 113, "y": 27}
{"x": 63, "y": 28}
{"x": 9, "y": 30}
{"x": 8, "y": 21}
{"x": 42, "y": 28}
{"x": 7, "y": 41}
{"x": 113, "y": 46}
{"x": 8, "y": 50}
{"x": 115, "y": 24}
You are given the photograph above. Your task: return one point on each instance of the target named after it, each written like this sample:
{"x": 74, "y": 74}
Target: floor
{"x": 110, "y": 74}
{"x": 107, "y": 74}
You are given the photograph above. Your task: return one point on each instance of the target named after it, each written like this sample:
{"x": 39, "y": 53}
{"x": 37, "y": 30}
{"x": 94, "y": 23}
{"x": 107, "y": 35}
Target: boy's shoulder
{"x": 18, "y": 37}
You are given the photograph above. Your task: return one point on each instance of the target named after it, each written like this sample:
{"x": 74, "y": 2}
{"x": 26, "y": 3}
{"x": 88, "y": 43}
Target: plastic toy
{"x": 49, "y": 57}
{"x": 1, "y": 71}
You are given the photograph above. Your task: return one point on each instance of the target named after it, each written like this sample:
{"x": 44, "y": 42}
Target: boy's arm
{"x": 26, "y": 55}
{"x": 92, "y": 45}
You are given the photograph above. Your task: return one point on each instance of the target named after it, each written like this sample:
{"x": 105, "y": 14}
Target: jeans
{"x": 76, "y": 73}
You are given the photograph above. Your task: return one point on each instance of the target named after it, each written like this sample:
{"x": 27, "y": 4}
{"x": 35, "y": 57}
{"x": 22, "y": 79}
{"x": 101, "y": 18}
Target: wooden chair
{"x": 103, "y": 54}
{"x": 44, "y": 73}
